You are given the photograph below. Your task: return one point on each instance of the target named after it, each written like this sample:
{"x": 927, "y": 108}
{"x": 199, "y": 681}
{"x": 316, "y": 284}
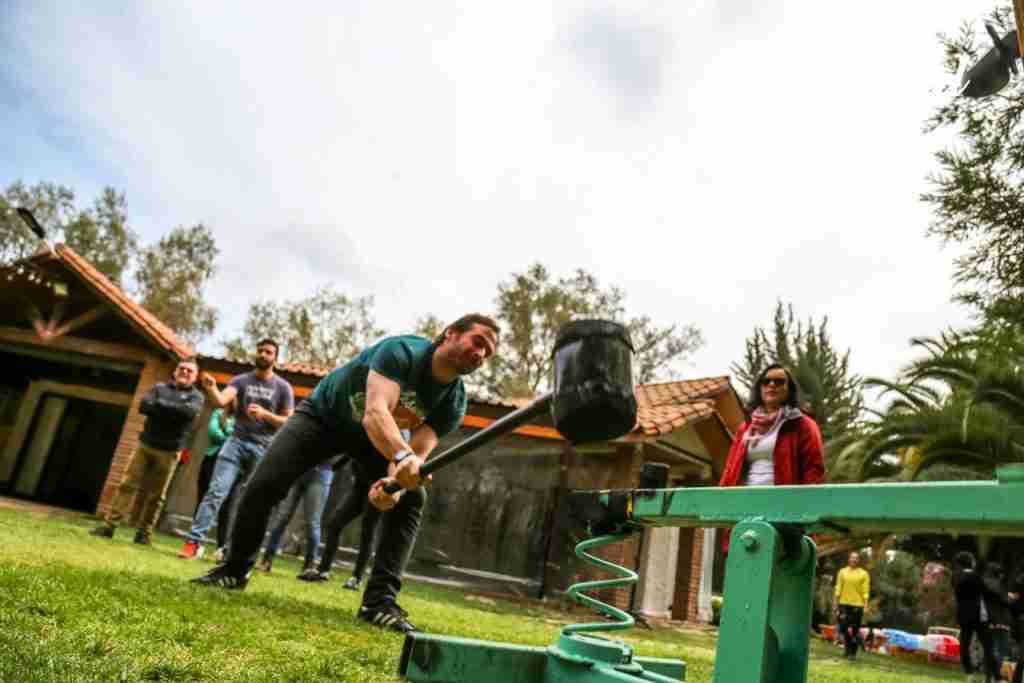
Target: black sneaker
{"x": 388, "y": 615}
{"x": 313, "y": 574}
{"x": 142, "y": 538}
{"x": 103, "y": 531}
{"x": 222, "y": 577}
{"x": 352, "y": 584}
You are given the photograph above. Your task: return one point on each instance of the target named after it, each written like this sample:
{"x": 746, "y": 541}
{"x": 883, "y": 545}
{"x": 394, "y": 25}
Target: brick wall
{"x": 156, "y": 369}
{"x": 618, "y": 471}
{"x": 688, "y": 570}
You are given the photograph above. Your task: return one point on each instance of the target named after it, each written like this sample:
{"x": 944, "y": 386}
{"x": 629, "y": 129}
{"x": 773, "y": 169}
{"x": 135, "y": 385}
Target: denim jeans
{"x": 311, "y": 492}
{"x": 305, "y": 441}
{"x": 236, "y": 459}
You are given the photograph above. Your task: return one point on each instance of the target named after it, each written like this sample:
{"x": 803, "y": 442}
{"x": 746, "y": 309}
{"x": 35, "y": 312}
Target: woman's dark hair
{"x": 964, "y": 560}
{"x": 793, "y": 400}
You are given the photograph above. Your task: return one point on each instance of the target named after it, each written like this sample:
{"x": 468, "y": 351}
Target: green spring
{"x": 625, "y": 577}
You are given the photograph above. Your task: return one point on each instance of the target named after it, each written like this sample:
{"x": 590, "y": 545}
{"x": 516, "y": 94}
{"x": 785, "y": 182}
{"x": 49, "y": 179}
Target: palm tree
{"x": 955, "y": 413}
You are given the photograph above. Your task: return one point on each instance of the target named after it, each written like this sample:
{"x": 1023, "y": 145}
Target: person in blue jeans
{"x": 263, "y": 402}
{"x": 311, "y": 492}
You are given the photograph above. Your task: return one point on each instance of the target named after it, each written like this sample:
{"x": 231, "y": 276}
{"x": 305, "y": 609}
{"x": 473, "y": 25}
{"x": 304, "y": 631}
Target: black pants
{"x": 303, "y": 442}
{"x": 849, "y": 626}
{"x": 354, "y": 503}
{"x": 224, "y": 515}
{"x": 967, "y": 632}
{"x": 1018, "y": 635}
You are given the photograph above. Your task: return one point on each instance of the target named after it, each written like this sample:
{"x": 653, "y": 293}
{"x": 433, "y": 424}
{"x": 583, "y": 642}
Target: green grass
{"x": 78, "y": 608}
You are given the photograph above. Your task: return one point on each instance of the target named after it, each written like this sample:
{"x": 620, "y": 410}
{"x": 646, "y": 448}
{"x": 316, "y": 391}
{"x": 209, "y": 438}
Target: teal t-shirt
{"x": 340, "y": 397}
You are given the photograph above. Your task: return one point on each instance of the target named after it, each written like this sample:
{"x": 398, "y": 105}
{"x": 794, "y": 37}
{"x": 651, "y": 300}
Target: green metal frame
{"x": 766, "y": 616}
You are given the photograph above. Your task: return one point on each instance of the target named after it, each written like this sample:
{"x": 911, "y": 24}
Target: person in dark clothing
{"x": 310, "y": 491}
{"x": 170, "y": 409}
{"x": 973, "y": 598}
{"x": 1016, "y": 604}
{"x": 354, "y": 503}
{"x": 353, "y": 410}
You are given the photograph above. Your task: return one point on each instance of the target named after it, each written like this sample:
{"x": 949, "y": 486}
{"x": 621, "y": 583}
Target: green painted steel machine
{"x": 766, "y": 615}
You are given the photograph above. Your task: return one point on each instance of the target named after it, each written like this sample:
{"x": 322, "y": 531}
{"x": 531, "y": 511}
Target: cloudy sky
{"x": 708, "y": 156}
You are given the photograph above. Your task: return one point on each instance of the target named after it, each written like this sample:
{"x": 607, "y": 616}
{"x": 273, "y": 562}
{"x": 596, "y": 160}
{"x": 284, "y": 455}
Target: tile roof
{"x": 147, "y": 324}
{"x": 668, "y": 406}
{"x": 663, "y": 407}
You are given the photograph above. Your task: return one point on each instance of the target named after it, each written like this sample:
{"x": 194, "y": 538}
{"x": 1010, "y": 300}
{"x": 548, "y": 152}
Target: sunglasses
{"x": 774, "y": 381}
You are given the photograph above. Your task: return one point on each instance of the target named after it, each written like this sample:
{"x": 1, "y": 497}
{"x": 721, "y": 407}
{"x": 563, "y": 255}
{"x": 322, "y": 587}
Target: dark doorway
{"x": 78, "y": 458}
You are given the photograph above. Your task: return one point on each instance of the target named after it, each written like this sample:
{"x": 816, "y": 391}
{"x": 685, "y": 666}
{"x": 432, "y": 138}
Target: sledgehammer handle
{"x": 484, "y": 436}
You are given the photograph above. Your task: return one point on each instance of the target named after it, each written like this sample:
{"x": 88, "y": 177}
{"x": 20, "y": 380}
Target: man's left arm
{"x": 866, "y": 587}
{"x": 284, "y": 410}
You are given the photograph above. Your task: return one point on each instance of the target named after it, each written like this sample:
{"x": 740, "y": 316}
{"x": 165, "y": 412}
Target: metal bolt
{"x": 749, "y": 540}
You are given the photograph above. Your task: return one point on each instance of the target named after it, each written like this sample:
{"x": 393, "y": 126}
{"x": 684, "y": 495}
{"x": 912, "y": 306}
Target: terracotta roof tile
{"x": 145, "y": 322}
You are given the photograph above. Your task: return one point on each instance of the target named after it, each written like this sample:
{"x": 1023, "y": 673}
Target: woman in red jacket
{"x": 779, "y": 445}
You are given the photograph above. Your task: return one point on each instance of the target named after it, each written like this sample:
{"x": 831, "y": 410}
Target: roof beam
{"x": 88, "y": 347}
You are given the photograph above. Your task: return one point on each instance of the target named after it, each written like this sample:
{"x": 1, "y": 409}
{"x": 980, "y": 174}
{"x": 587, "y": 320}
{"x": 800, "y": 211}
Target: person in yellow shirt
{"x": 853, "y": 587}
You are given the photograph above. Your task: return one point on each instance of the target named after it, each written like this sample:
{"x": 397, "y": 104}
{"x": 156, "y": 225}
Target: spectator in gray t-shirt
{"x": 264, "y": 402}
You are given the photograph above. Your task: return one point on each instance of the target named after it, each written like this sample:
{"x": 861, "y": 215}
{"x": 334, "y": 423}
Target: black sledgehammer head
{"x": 593, "y": 384}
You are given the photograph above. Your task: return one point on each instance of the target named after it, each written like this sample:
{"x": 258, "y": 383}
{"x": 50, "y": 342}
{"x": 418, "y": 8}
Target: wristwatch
{"x": 400, "y": 456}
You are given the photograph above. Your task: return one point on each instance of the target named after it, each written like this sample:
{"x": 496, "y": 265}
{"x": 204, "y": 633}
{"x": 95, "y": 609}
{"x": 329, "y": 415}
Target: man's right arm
{"x": 381, "y": 399}
{"x": 219, "y": 398}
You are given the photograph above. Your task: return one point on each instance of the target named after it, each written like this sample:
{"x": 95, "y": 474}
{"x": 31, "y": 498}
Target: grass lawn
{"x": 78, "y": 608}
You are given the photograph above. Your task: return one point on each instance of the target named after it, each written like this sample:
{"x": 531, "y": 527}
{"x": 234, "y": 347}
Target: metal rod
{"x": 481, "y": 438}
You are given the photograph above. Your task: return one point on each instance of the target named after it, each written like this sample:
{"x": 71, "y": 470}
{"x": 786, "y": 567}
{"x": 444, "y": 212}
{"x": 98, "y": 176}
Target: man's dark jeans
{"x": 967, "y": 633}
{"x": 849, "y": 626}
{"x": 352, "y": 505}
{"x": 303, "y": 442}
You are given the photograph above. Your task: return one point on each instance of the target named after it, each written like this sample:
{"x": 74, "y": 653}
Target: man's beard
{"x": 464, "y": 365}
{"x": 263, "y": 363}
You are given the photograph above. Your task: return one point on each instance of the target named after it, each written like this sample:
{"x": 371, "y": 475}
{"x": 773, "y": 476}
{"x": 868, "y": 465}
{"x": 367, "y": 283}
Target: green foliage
{"x": 172, "y": 275}
{"x": 100, "y": 234}
{"x": 831, "y": 391}
{"x": 956, "y": 412}
{"x": 77, "y": 608}
{"x": 429, "y": 326}
{"x": 533, "y": 305}
{"x": 978, "y": 191}
{"x": 895, "y": 587}
{"x": 325, "y": 329}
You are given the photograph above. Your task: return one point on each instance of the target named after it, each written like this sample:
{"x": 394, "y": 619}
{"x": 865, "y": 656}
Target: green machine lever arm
{"x": 991, "y": 508}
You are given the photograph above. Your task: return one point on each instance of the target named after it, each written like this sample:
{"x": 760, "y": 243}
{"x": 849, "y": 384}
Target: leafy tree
{"x": 895, "y": 592}
{"x": 325, "y": 329}
{"x": 956, "y": 413}
{"x": 172, "y": 275}
{"x": 831, "y": 391}
{"x": 978, "y": 191}
{"x": 532, "y": 306}
{"x": 100, "y": 234}
{"x": 429, "y": 326}
{"x": 103, "y": 237}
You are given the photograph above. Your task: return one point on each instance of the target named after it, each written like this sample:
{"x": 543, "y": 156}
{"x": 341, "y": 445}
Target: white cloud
{"x": 710, "y": 157}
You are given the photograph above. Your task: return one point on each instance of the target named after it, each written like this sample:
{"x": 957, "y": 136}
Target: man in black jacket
{"x": 974, "y": 602}
{"x": 170, "y": 409}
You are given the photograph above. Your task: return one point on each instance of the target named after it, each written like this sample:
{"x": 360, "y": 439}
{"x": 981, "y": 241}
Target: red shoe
{"x": 191, "y": 551}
